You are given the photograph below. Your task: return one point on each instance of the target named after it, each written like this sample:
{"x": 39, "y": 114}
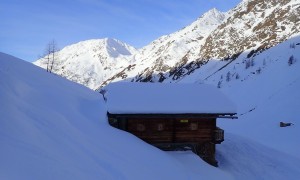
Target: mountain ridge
{"x": 90, "y": 62}
{"x": 170, "y": 51}
{"x": 251, "y": 27}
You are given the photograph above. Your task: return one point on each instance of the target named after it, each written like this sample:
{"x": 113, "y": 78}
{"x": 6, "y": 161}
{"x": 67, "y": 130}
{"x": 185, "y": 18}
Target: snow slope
{"x": 266, "y": 93}
{"x": 246, "y": 159}
{"x": 51, "y": 128}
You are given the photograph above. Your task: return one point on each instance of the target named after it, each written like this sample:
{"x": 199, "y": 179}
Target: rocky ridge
{"x": 250, "y": 28}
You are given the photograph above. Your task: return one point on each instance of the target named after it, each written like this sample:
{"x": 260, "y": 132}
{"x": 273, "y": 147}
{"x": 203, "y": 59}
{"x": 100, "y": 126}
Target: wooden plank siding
{"x": 172, "y": 130}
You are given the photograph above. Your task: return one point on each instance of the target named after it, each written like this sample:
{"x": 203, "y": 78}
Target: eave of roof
{"x": 188, "y": 115}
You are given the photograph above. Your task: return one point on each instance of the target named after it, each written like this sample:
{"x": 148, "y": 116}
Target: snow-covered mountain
{"x": 264, "y": 87}
{"x": 94, "y": 61}
{"x": 90, "y": 62}
{"x": 251, "y": 27}
{"x": 168, "y": 52}
{"x": 178, "y": 48}
{"x": 254, "y": 25}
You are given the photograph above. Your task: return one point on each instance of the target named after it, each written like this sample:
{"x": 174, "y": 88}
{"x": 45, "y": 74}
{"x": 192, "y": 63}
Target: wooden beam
{"x": 209, "y": 116}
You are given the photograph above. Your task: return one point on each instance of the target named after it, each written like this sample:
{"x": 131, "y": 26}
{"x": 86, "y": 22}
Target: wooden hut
{"x": 170, "y": 116}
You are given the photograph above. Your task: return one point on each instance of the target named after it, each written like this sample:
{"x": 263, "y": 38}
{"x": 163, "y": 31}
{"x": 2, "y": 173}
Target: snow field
{"x": 54, "y": 129}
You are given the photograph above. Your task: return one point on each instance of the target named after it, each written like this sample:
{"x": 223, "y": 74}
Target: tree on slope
{"x": 228, "y": 76}
{"x": 291, "y": 60}
{"x": 51, "y": 55}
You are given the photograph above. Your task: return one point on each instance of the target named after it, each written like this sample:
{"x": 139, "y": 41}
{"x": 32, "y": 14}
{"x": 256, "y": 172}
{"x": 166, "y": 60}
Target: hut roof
{"x": 163, "y": 98}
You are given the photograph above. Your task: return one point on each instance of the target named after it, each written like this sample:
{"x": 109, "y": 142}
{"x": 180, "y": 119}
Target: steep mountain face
{"x": 253, "y": 25}
{"x": 170, "y": 51}
{"x": 212, "y": 42}
{"x": 90, "y": 62}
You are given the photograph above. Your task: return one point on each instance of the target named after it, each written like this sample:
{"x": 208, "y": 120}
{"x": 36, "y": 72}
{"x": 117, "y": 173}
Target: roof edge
{"x": 185, "y": 115}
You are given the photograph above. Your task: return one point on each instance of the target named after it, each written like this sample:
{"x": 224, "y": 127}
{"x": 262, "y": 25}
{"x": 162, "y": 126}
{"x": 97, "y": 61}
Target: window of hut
{"x": 194, "y": 126}
{"x": 160, "y": 127}
{"x": 140, "y": 127}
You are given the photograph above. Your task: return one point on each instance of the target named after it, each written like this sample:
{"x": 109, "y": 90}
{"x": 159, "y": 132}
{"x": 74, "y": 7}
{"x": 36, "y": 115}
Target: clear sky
{"x": 26, "y": 26}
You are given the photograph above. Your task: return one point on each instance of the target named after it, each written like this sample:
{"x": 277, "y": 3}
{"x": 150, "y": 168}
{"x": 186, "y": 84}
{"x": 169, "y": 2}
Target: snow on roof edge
{"x": 163, "y": 98}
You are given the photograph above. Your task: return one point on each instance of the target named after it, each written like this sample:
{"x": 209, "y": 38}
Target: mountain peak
{"x": 250, "y": 26}
{"x": 99, "y": 57}
{"x": 116, "y": 47}
{"x": 212, "y": 17}
{"x": 213, "y": 14}
{"x": 213, "y": 11}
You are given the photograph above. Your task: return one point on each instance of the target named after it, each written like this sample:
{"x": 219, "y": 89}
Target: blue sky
{"x": 28, "y": 25}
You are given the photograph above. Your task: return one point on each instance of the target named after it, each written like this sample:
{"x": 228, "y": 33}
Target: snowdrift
{"x": 51, "y": 128}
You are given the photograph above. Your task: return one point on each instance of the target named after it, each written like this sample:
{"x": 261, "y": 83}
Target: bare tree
{"x": 291, "y": 60}
{"x": 46, "y": 56}
{"x": 252, "y": 62}
{"x": 54, "y": 53}
{"x": 292, "y": 46}
{"x": 228, "y": 76}
{"x": 264, "y": 62}
{"x": 219, "y": 84}
{"x": 258, "y": 71}
{"x": 247, "y": 64}
{"x": 50, "y": 55}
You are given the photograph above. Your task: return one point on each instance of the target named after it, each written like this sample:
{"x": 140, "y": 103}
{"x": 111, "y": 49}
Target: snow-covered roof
{"x": 163, "y": 98}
